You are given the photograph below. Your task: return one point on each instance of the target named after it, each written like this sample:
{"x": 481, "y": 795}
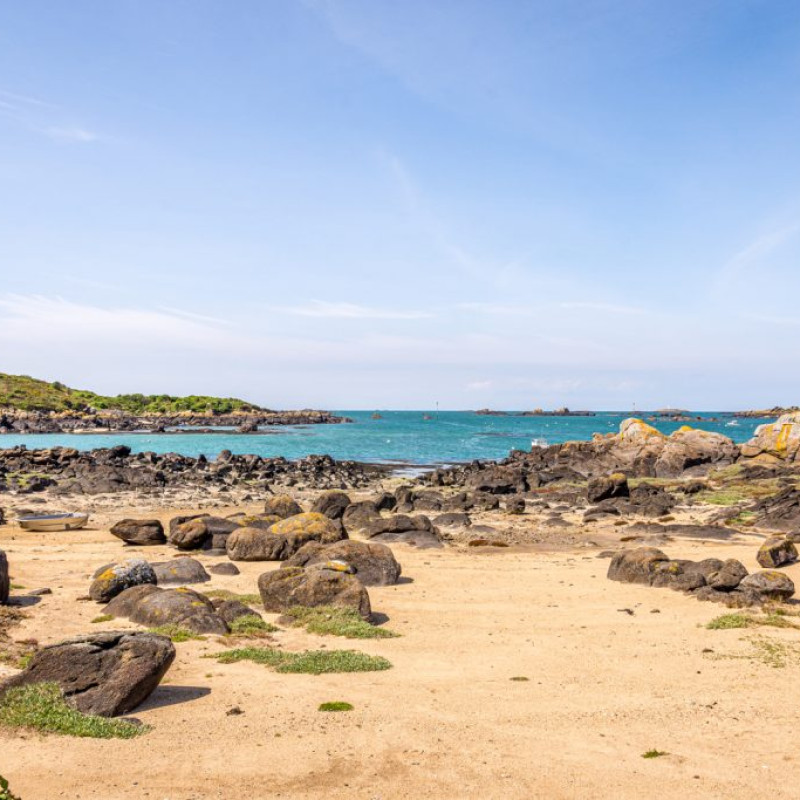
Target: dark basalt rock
{"x": 5, "y": 581}
{"x": 111, "y": 580}
{"x": 374, "y": 564}
{"x": 106, "y": 674}
{"x": 140, "y": 532}
{"x": 295, "y": 586}
{"x": 180, "y": 571}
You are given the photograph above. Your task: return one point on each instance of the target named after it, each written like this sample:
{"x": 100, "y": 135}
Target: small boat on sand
{"x": 53, "y": 522}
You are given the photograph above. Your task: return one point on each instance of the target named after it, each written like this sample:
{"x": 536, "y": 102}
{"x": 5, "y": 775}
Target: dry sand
{"x": 447, "y": 721}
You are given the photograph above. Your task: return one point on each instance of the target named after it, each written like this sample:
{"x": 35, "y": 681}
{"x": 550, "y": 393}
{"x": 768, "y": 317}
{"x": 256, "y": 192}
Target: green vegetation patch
{"x": 224, "y": 594}
{"x": 251, "y": 625}
{"x": 41, "y": 707}
{"x": 102, "y": 618}
{"x": 773, "y": 619}
{"x": 24, "y": 393}
{"x": 309, "y": 662}
{"x": 654, "y": 754}
{"x": 336, "y": 621}
{"x": 176, "y": 632}
{"x": 335, "y": 706}
{"x": 5, "y": 792}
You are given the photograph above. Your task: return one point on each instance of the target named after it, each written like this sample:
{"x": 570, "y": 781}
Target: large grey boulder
{"x": 770, "y": 584}
{"x": 282, "y": 505}
{"x": 776, "y": 552}
{"x": 112, "y": 579}
{"x": 105, "y": 674}
{"x": 283, "y": 589}
{"x": 142, "y": 532}
{"x": 373, "y": 563}
{"x": 151, "y": 606}
{"x": 180, "y": 571}
{"x": 636, "y": 565}
{"x": 258, "y": 544}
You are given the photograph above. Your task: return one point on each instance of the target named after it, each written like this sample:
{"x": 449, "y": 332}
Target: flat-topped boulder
{"x": 151, "y": 606}
{"x": 180, "y": 571}
{"x": 105, "y": 674}
{"x": 141, "y": 532}
{"x": 372, "y": 563}
{"x": 283, "y": 589}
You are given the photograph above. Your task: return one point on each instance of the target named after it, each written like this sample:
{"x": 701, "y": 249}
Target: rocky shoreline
{"x": 31, "y": 422}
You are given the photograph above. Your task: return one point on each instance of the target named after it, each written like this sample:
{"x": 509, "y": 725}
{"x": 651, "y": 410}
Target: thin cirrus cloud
{"x": 71, "y": 134}
{"x": 327, "y": 310}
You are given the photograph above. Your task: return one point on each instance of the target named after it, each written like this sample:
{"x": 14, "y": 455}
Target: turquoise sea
{"x": 400, "y": 437}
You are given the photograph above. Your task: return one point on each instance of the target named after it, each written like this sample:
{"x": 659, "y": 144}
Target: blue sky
{"x": 369, "y": 204}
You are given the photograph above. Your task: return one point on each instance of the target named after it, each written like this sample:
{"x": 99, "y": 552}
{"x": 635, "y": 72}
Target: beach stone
{"x": 258, "y": 544}
{"x": 676, "y": 575}
{"x": 115, "y": 578}
{"x": 332, "y": 504}
{"x": 189, "y": 535}
{"x": 226, "y": 568}
{"x": 453, "y": 519}
{"x": 5, "y": 581}
{"x": 358, "y": 515}
{"x": 605, "y": 487}
{"x": 728, "y": 576}
{"x": 283, "y": 589}
{"x": 141, "y": 532}
{"x": 309, "y": 526}
{"x": 180, "y": 571}
{"x": 385, "y": 502}
{"x": 636, "y": 565}
{"x": 106, "y": 674}
{"x": 283, "y": 506}
{"x": 257, "y": 520}
{"x": 231, "y": 610}
{"x": 183, "y": 607}
{"x": 770, "y": 584}
{"x": 776, "y": 552}
{"x": 373, "y": 563}
{"x": 427, "y": 501}
{"x": 457, "y": 502}
{"x": 180, "y": 520}
{"x": 515, "y": 505}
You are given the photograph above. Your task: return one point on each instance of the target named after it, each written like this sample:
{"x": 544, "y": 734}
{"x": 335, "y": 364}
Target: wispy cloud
{"x": 323, "y": 309}
{"x": 502, "y": 309}
{"x": 16, "y": 100}
{"x": 608, "y": 308}
{"x": 71, "y": 134}
{"x": 757, "y": 250}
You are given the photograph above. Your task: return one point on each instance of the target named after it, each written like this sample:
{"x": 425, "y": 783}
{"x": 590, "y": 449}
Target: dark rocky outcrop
{"x": 106, "y": 674}
{"x": 140, "y": 531}
{"x": 112, "y": 579}
{"x": 711, "y": 579}
{"x": 607, "y": 486}
{"x": 781, "y": 512}
{"x": 373, "y": 563}
{"x": 296, "y": 586}
{"x": 151, "y": 606}
{"x": 230, "y": 610}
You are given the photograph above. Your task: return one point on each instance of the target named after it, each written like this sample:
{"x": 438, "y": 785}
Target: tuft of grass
{"x": 41, "y": 707}
{"x": 102, "y": 618}
{"x": 224, "y": 594}
{"x": 654, "y": 754}
{"x": 251, "y": 625}
{"x": 335, "y": 621}
{"x": 16, "y": 586}
{"x": 5, "y": 792}
{"x": 729, "y": 621}
{"x": 772, "y": 619}
{"x": 335, "y": 706}
{"x": 309, "y": 662}
{"x": 519, "y": 678}
{"x": 177, "y": 633}
{"x": 722, "y": 497}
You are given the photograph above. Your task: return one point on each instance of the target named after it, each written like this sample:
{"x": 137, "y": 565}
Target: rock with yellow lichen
{"x": 112, "y": 579}
{"x": 777, "y": 441}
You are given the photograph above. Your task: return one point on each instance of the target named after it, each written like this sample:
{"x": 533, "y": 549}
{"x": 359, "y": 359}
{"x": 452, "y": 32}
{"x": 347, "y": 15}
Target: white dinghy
{"x": 53, "y": 522}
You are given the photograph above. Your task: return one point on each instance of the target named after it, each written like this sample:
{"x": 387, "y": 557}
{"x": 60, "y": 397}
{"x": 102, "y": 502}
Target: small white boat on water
{"x": 53, "y": 522}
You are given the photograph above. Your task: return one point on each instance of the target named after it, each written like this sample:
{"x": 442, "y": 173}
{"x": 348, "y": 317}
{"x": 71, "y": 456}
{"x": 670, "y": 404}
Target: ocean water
{"x": 400, "y": 437}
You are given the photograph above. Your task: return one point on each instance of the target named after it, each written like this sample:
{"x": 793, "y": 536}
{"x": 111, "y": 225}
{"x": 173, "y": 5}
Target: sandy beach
{"x": 613, "y": 670}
